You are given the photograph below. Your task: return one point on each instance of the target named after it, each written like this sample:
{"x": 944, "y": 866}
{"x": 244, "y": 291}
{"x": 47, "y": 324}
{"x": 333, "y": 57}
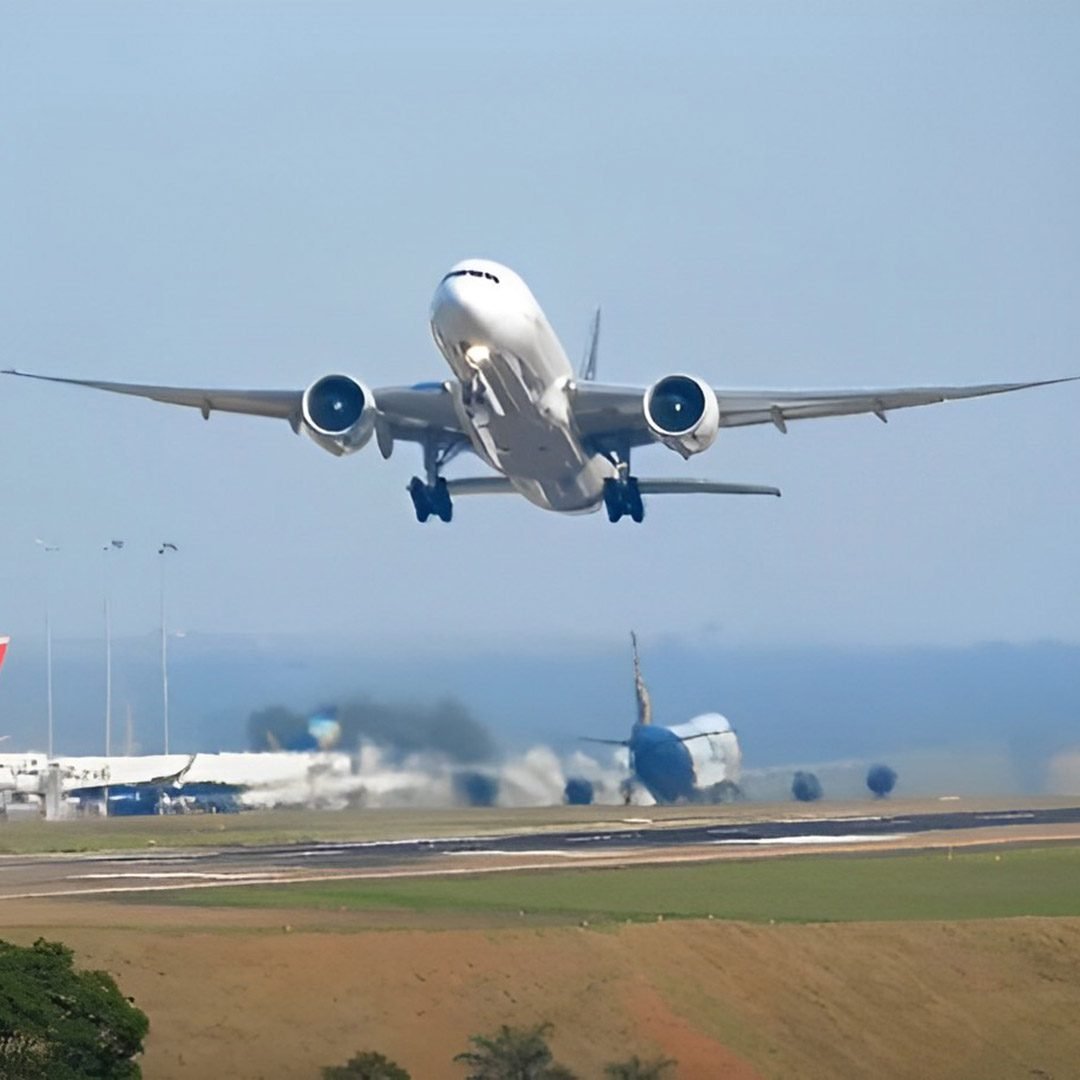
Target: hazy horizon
{"x": 997, "y": 713}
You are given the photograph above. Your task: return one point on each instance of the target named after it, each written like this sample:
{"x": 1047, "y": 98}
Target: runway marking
{"x": 854, "y": 838}
{"x": 238, "y": 878}
{"x": 554, "y": 854}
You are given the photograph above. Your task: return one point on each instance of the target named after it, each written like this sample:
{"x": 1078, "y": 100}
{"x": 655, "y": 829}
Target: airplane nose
{"x": 461, "y": 304}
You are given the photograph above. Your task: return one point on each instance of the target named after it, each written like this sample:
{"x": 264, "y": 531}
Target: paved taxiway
{"x": 24, "y": 877}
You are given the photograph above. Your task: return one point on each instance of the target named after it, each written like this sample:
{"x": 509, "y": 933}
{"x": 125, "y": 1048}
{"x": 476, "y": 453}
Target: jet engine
{"x": 338, "y": 413}
{"x": 683, "y": 413}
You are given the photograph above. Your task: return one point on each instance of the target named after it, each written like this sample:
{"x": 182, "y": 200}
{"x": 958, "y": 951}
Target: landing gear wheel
{"x": 632, "y": 501}
{"x": 418, "y": 491}
{"x": 613, "y": 500}
{"x": 441, "y": 503}
{"x": 623, "y": 498}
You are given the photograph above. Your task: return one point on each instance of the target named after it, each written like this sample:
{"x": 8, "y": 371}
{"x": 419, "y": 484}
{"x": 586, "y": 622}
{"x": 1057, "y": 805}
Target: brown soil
{"x": 278, "y": 994}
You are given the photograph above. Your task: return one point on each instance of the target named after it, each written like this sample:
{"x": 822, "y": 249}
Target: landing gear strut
{"x": 622, "y": 497}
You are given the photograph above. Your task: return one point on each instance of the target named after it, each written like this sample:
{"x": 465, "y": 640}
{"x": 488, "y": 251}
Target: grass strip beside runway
{"x": 811, "y": 888}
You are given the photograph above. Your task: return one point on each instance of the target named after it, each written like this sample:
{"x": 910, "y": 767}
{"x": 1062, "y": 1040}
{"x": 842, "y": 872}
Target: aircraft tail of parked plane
{"x": 562, "y": 442}
{"x": 667, "y": 761}
{"x": 4, "y": 642}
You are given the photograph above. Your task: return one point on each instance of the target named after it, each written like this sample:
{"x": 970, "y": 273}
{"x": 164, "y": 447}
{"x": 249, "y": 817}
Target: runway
{"x": 633, "y": 839}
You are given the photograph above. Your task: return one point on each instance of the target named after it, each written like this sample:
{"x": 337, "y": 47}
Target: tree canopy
{"x": 366, "y": 1065}
{"x": 513, "y": 1054}
{"x": 806, "y": 787}
{"x": 57, "y": 1023}
{"x": 636, "y": 1069}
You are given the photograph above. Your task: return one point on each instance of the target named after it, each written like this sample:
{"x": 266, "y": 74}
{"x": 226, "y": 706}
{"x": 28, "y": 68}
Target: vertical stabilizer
{"x": 644, "y": 702}
{"x": 588, "y": 364}
{"x": 4, "y": 641}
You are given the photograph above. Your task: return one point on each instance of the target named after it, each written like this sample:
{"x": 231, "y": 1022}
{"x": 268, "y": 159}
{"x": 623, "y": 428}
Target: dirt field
{"x": 257, "y": 993}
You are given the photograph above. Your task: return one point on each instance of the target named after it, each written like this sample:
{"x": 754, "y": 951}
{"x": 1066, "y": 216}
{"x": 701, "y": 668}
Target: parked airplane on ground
{"x": 561, "y": 442}
{"x": 693, "y": 762}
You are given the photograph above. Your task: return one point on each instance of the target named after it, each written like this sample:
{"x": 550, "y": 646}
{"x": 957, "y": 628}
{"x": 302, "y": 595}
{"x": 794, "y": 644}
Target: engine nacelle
{"x": 338, "y": 413}
{"x": 683, "y": 413}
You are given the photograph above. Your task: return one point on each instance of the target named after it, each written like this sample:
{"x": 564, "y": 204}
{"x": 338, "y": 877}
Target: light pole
{"x": 165, "y": 548}
{"x": 112, "y": 545}
{"x": 47, "y": 549}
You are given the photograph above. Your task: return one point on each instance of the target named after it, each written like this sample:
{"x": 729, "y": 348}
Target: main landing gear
{"x": 622, "y": 497}
{"x": 428, "y": 499}
{"x": 431, "y": 498}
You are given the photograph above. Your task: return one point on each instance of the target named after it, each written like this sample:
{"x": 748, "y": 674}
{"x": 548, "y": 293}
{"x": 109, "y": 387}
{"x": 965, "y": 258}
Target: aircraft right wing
{"x": 410, "y": 413}
{"x": 281, "y": 404}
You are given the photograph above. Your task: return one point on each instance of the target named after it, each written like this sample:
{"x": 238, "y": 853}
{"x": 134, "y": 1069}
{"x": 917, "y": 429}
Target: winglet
{"x": 588, "y": 364}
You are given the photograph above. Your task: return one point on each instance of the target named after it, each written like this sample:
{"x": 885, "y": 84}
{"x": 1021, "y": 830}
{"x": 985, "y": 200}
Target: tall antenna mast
{"x": 644, "y": 702}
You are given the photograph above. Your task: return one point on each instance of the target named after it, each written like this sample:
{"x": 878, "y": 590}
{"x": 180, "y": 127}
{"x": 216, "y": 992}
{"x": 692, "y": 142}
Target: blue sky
{"x": 254, "y": 195}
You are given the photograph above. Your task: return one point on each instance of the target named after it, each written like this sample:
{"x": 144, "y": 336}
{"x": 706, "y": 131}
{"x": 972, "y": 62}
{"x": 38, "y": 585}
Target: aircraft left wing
{"x": 604, "y": 411}
{"x": 409, "y": 412}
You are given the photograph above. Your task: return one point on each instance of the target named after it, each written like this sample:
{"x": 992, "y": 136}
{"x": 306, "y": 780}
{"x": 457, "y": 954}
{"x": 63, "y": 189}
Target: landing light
{"x": 477, "y": 355}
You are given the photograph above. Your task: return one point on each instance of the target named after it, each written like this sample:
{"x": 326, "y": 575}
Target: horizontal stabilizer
{"x": 604, "y": 742}
{"x": 499, "y": 485}
{"x": 703, "y": 735}
{"x": 702, "y": 487}
{"x": 480, "y": 485}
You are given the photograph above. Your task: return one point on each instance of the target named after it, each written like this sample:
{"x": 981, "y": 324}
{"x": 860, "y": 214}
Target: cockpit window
{"x": 471, "y": 273}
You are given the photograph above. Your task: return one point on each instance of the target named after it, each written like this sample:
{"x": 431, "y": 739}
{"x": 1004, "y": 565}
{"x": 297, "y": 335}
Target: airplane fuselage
{"x": 512, "y": 387}
{"x": 662, "y": 763}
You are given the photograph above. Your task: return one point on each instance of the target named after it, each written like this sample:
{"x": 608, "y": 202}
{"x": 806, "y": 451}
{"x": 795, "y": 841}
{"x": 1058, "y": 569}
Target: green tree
{"x": 366, "y": 1065}
{"x": 513, "y": 1054}
{"x": 636, "y": 1069}
{"x": 57, "y": 1023}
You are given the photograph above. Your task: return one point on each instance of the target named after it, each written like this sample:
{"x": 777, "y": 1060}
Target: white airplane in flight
{"x": 564, "y": 442}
